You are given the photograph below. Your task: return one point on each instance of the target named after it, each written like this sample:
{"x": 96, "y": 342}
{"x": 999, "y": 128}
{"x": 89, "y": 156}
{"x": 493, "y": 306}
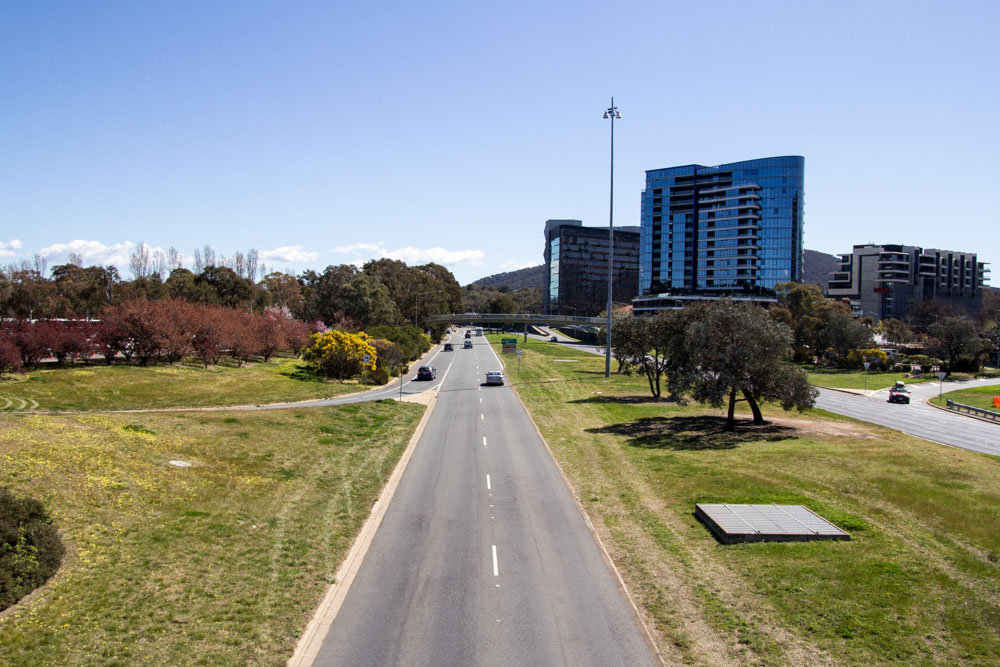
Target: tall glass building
{"x": 732, "y": 228}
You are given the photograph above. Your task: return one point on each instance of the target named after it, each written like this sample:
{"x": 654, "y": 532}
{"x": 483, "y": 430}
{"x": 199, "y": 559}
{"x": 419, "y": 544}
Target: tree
{"x": 738, "y": 348}
{"x": 10, "y": 356}
{"x": 955, "y": 337}
{"x": 895, "y": 331}
{"x": 340, "y": 354}
{"x": 841, "y": 334}
{"x": 656, "y": 346}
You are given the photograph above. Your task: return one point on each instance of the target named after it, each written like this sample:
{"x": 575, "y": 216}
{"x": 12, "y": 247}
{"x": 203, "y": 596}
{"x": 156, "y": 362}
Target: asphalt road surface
{"x": 483, "y": 557}
{"x": 918, "y": 418}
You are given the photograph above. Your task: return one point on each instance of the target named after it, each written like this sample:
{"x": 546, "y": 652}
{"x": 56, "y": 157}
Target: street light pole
{"x": 611, "y": 113}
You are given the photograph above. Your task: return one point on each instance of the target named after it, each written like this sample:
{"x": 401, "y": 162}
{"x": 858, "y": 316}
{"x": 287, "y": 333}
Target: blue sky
{"x": 323, "y": 133}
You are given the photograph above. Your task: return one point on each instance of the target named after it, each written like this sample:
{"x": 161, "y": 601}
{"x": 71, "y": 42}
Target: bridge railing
{"x": 529, "y": 318}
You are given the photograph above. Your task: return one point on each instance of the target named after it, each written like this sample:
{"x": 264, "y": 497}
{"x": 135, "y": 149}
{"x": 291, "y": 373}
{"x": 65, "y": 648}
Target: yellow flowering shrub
{"x": 340, "y": 354}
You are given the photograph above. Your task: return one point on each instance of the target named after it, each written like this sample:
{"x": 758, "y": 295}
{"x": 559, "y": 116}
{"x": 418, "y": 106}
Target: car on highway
{"x": 426, "y": 373}
{"x": 468, "y": 345}
{"x": 899, "y": 393}
{"x": 494, "y": 377}
{"x": 468, "y": 334}
{"x": 448, "y": 347}
{"x": 554, "y": 339}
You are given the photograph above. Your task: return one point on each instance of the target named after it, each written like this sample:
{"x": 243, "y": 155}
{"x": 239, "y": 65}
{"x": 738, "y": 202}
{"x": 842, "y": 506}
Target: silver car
{"x": 494, "y": 377}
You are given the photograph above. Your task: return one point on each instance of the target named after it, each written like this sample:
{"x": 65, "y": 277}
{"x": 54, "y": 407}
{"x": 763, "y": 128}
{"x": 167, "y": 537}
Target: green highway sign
{"x": 508, "y": 341}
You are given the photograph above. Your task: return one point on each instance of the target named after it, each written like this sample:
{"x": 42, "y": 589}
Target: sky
{"x": 326, "y": 133}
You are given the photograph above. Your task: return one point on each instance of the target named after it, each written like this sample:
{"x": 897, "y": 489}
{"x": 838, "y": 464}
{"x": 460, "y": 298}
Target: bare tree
{"x": 139, "y": 261}
{"x": 253, "y": 259}
{"x": 159, "y": 263}
{"x": 75, "y": 258}
{"x": 239, "y": 264}
{"x": 40, "y": 264}
{"x": 174, "y": 259}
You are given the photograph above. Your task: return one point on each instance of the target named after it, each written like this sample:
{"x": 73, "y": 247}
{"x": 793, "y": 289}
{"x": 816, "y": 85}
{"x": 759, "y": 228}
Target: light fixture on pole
{"x": 611, "y": 113}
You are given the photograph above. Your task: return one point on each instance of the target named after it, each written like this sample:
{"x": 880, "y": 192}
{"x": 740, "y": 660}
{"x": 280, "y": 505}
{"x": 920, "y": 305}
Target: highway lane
{"x": 483, "y": 557}
{"x": 918, "y": 418}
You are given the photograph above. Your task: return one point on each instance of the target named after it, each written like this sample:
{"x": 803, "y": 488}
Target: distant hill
{"x": 533, "y": 276}
{"x": 816, "y": 268}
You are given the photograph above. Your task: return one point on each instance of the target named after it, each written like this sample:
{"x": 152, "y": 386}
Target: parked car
{"x": 448, "y": 347}
{"x": 899, "y": 393}
{"x": 494, "y": 377}
{"x": 468, "y": 345}
{"x": 426, "y": 373}
{"x": 556, "y": 340}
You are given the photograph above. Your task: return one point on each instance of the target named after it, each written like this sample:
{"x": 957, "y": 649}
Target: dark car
{"x": 448, "y": 347}
{"x": 899, "y": 394}
{"x": 468, "y": 334}
{"x": 556, "y": 340}
{"x": 426, "y": 373}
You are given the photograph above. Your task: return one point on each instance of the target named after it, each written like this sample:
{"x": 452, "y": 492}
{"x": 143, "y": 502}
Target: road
{"x": 918, "y": 418}
{"x": 483, "y": 557}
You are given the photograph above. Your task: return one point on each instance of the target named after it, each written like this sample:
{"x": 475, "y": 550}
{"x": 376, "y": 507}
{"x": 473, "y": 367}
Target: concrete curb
{"x": 319, "y": 625}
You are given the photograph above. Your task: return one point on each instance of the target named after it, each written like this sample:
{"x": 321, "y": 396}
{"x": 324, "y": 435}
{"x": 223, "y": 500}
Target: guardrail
{"x": 972, "y": 410}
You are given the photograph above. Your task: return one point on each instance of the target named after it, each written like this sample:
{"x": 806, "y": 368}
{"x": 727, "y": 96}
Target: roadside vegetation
{"x": 840, "y": 378}
{"x": 219, "y": 560}
{"x": 183, "y": 385}
{"x": 977, "y": 397}
{"x": 917, "y": 584}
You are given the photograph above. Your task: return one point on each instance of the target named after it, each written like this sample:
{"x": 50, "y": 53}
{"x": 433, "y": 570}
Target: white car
{"x": 494, "y": 377}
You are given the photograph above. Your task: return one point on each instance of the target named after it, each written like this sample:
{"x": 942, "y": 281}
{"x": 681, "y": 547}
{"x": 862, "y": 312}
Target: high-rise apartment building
{"x": 729, "y": 229}
{"x": 884, "y": 281}
{"x": 576, "y": 267}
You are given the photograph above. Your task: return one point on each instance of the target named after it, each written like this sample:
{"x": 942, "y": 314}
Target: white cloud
{"x": 412, "y": 255}
{"x": 9, "y": 248}
{"x": 514, "y": 265}
{"x": 289, "y": 253}
{"x": 93, "y": 252}
{"x": 356, "y": 248}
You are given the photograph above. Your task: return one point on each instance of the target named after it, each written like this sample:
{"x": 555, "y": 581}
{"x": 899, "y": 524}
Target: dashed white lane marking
{"x": 480, "y": 398}
{"x": 482, "y": 417}
{"x": 484, "y": 441}
{"x": 488, "y": 487}
{"x": 496, "y": 568}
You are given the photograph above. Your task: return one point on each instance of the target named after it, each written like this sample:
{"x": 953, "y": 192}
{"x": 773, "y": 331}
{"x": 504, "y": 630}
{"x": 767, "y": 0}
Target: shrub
{"x": 857, "y": 358}
{"x": 10, "y": 356}
{"x": 339, "y": 354}
{"x": 30, "y": 548}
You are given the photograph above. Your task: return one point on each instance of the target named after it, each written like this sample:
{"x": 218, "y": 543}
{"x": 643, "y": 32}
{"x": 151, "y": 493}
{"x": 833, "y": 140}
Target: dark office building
{"x": 576, "y": 267}
{"x": 730, "y": 229}
{"x": 884, "y": 281}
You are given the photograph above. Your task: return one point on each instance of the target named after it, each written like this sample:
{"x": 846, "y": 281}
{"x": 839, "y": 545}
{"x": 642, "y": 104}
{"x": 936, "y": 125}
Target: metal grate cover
{"x": 766, "y": 523}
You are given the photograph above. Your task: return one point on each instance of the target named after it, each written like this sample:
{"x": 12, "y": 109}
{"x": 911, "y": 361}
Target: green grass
{"x": 978, "y": 397}
{"x": 219, "y": 563}
{"x": 838, "y": 378}
{"x": 187, "y": 385}
{"x": 919, "y": 583}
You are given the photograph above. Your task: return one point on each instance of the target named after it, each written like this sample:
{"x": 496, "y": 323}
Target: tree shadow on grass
{"x": 694, "y": 433}
{"x": 637, "y": 399}
{"x": 302, "y": 373}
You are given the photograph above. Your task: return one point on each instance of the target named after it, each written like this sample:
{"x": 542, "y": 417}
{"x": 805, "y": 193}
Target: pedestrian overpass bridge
{"x": 515, "y": 318}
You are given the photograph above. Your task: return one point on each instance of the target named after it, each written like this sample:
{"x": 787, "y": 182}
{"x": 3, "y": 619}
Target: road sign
{"x": 509, "y": 345}
{"x": 508, "y": 341}
{"x": 519, "y": 353}
{"x": 367, "y": 359}
{"x": 867, "y": 364}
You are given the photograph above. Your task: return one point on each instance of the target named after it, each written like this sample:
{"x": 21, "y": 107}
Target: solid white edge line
{"x": 496, "y": 570}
